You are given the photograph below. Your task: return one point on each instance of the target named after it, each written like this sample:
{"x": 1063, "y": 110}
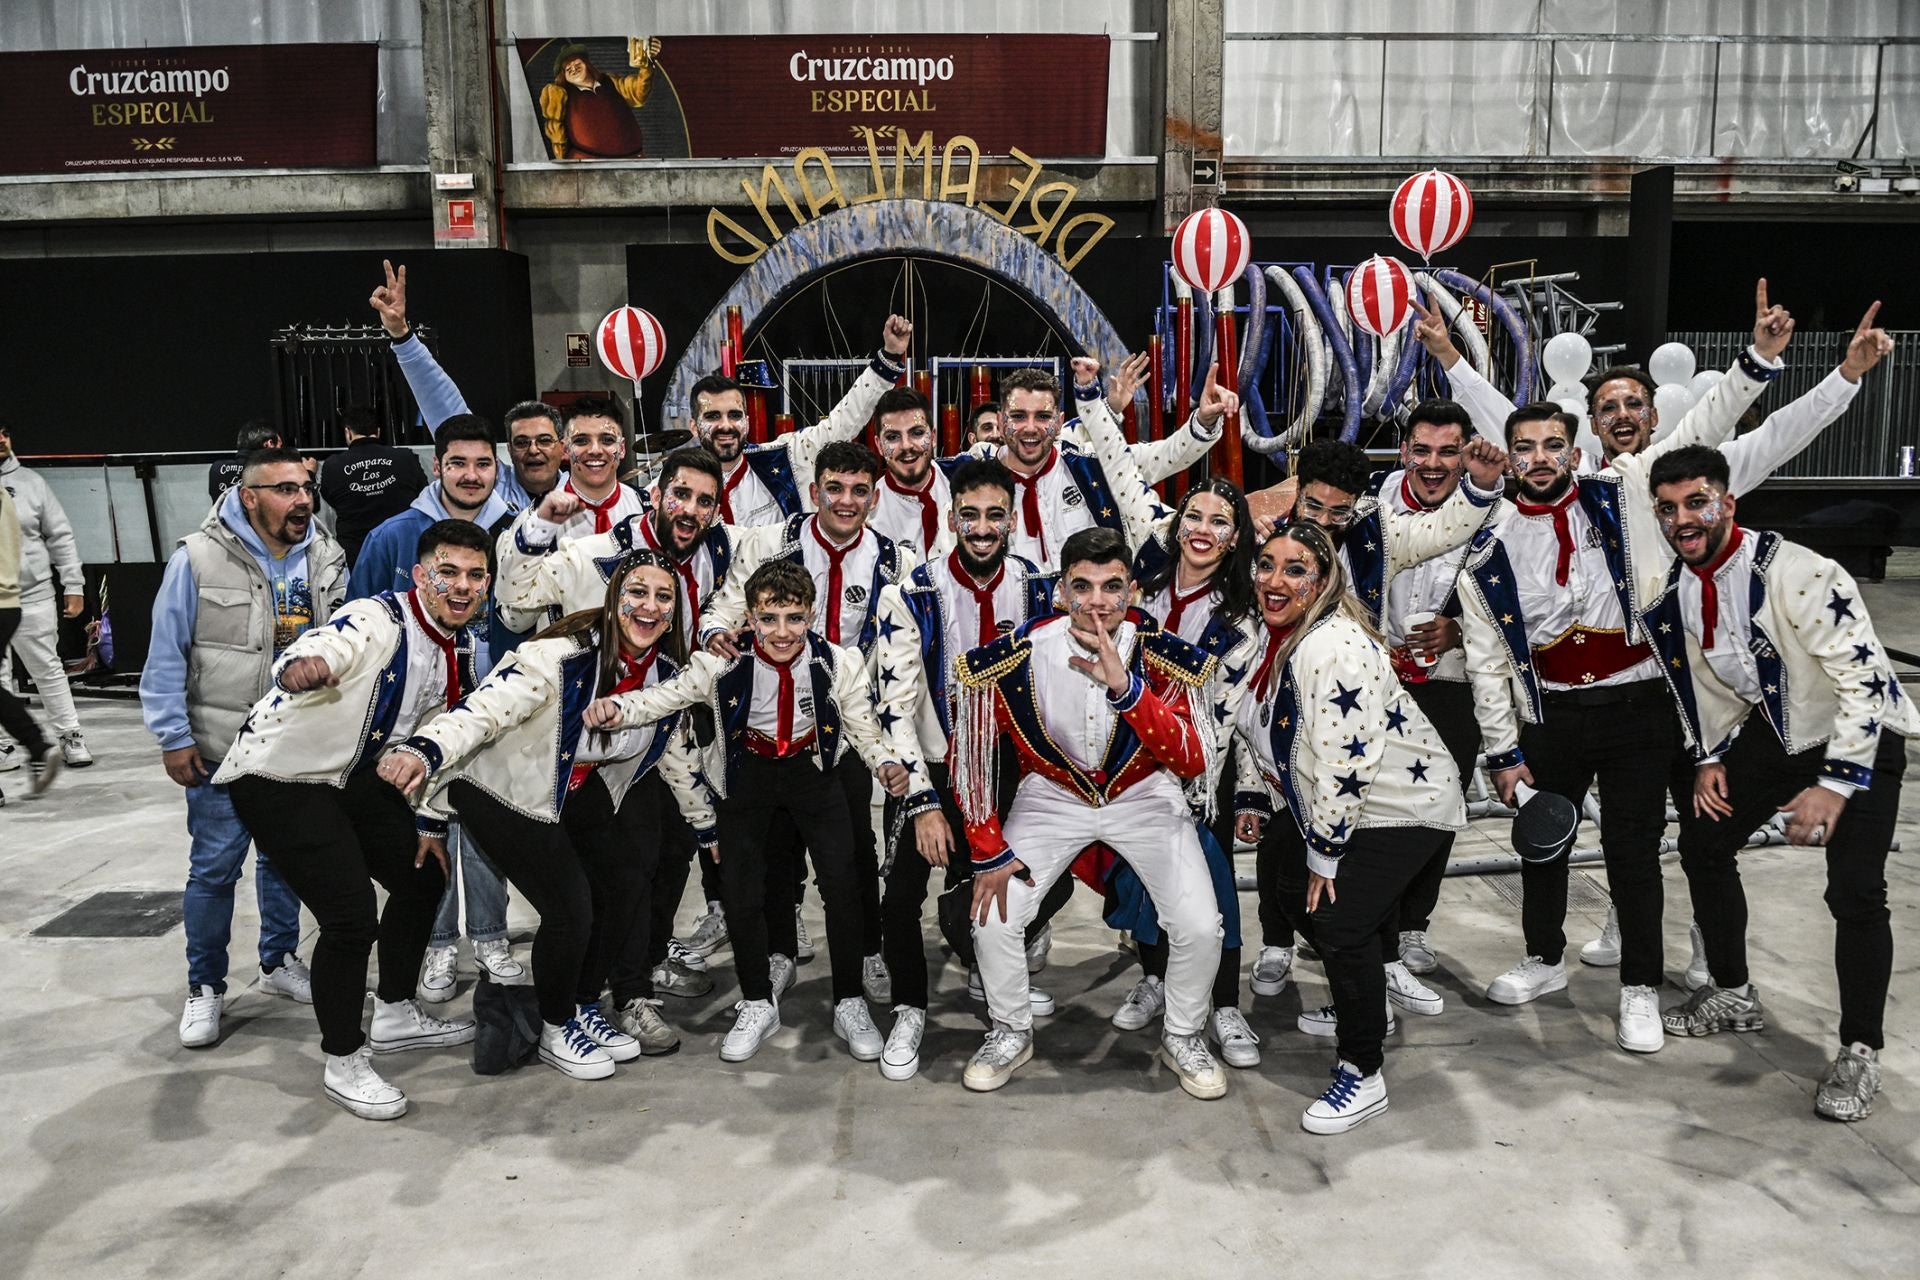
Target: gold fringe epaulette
{"x": 988, "y": 663}
{"x": 1175, "y": 658}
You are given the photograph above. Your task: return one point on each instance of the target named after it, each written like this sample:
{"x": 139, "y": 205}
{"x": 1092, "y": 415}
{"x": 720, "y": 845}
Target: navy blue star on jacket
{"x": 1349, "y": 785}
{"x": 1346, "y": 699}
{"x": 1419, "y": 770}
{"x": 1395, "y": 719}
{"x": 1842, "y": 606}
{"x": 1355, "y": 747}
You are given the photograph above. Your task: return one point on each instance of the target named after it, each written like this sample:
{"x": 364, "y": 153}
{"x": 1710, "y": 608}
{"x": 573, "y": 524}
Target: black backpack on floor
{"x": 506, "y": 1026}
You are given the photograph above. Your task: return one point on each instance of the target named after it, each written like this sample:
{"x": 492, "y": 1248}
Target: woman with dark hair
{"x": 1194, "y": 570}
{"x": 571, "y": 817}
{"x": 1371, "y": 792}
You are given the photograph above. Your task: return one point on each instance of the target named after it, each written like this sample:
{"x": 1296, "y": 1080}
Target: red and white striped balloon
{"x": 1380, "y": 295}
{"x": 1430, "y": 212}
{"x": 1211, "y": 249}
{"x": 631, "y": 343}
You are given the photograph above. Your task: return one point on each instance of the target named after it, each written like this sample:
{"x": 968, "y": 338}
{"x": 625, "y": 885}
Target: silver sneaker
{"x": 290, "y": 979}
{"x": 640, "y": 1018}
{"x": 1239, "y": 1047}
{"x": 709, "y": 932}
{"x": 1711, "y": 1010}
{"x": 1200, "y": 1073}
{"x": 436, "y": 975}
{"x": 674, "y": 979}
{"x": 1847, "y": 1091}
{"x": 1416, "y": 952}
{"x": 1147, "y": 1001}
{"x": 876, "y": 981}
{"x": 1270, "y": 971}
{"x": 999, "y": 1055}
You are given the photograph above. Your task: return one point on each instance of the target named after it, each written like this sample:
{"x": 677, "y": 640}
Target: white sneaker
{"x": 436, "y": 974}
{"x": 876, "y": 981}
{"x": 1200, "y": 1074}
{"x": 803, "y": 949}
{"x": 403, "y": 1024}
{"x": 291, "y": 979}
{"x": 998, "y": 1057}
{"x": 1325, "y": 1021}
{"x": 620, "y": 1046}
{"x": 1041, "y": 1002}
{"x": 1147, "y": 1001}
{"x": 757, "y": 1020}
{"x": 11, "y": 757}
{"x": 1528, "y": 980}
{"x": 1696, "y": 975}
{"x": 852, "y": 1023}
{"x": 900, "y": 1060}
{"x": 1239, "y": 1047}
{"x": 709, "y": 932}
{"x": 1352, "y": 1099}
{"x": 200, "y": 1021}
{"x": 1270, "y": 971}
{"x": 1640, "y": 1029}
{"x": 1412, "y": 994}
{"x": 1416, "y": 952}
{"x": 495, "y": 957}
{"x": 1039, "y": 948}
{"x": 352, "y": 1082}
{"x": 73, "y": 749}
{"x": 1604, "y": 951}
{"x": 569, "y": 1050}
{"x": 686, "y": 957}
{"x": 780, "y": 972}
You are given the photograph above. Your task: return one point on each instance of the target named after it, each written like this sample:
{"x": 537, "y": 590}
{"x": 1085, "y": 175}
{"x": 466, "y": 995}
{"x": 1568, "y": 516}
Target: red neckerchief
{"x": 783, "y": 714}
{"x": 982, "y": 596}
{"x": 1177, "y": 604}
{"x": 443, "y": 640}
{"x": 836, "y": 585}
{"x": 1276, "y": 636}
{"x": 1561, "y": 529}
{"x": 633, "y": 675}
{"x": 602, "y": 510}
{"x": 726, "y": 490}
{"x": 929, "y": 506}
{"x": 1709, "y": 594}
{"x": 1408, "y": 496}
{"x": 684, "y": 568}
{"x": 1029, "y": 487}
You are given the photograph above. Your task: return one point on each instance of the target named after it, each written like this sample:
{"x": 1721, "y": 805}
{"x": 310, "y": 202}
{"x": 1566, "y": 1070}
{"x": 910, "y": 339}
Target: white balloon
{"x": 1703, "y": 382}
{"x": 1568, "y": 391}
{"x": 1574, "y": 406}
{"x": 1672, "y": 403}
{"x": 1670, "y": 363}
{"x": 1566, "y": 357}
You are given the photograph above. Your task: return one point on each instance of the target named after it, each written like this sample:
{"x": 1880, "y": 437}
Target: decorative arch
{"x": 933, "y": 229}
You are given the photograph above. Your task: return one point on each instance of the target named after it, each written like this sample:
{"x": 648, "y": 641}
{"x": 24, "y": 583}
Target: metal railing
{"x": 1865, "y": 441}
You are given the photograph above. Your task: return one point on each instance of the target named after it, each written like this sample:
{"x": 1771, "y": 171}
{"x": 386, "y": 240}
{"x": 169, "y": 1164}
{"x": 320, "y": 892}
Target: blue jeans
{"x": 218, "y": 851}
{"x": 486, "y": 896}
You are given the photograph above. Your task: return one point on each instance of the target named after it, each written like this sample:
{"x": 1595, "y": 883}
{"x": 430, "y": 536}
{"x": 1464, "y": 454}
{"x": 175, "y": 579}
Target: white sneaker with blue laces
{"x": 569, "y": 1050}
{"x": 619, "y": 1046}
{"x": 1352, "y": 1099}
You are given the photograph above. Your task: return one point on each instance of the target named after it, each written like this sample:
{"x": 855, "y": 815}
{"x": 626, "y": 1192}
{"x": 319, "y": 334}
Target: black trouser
{"x": 14, "y": 716}
{"x": 330, "y": 844}
{"x": 1761, "y": 777}
{"x": 1628, "y": 738}
{"x": 856, "y": 781}
{"x": 1357, "y": 932}
{"x": 769, "y": 799}
{"x": 584, "y": 874}
{"x": 652, "y": 812}
{"x": 1449, "y": 704}
{"x": 908, "y": 878}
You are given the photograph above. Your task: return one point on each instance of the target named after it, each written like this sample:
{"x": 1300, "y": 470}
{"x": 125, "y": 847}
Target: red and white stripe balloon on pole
{"x": 1380, "y": 295}
{"x": 631, "y": 344}
{"x": 1430, "y": 212}
{"x": 1211, "y": 249}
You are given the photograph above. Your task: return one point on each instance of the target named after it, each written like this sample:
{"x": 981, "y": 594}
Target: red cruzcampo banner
{"x": 253, "y": 106}
{"x": 725, "y": 97}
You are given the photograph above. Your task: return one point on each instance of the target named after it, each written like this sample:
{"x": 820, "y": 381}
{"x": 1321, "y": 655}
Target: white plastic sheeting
{"x": 1407, "y": 96}
{"x": 28, "y": 25}
{"x": 1132, "y": 125}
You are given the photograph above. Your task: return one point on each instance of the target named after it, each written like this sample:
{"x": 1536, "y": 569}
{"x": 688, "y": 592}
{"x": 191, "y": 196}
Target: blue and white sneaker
{"x": 619, "y": 1046}
{"x": 1351, "y": 1099}
{"x": 569, "y": 1050}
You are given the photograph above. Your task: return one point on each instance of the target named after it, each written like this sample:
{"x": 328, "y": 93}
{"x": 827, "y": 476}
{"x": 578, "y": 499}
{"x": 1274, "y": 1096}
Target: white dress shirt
{"x": 763, "y": 715}
{"x": 1074, "y": 706}
{"x": 748, "y": 502}
{"x": 962, "y": 613}
{"x": 856, "y": 581}
{"x": 898, "y": 515}
{"x": 424, "y": 694}
{"x": 581, "y": 523}
{"x": 1587, "y": 599}
{"x": 1064, "y": 510}
{"x": 1730, "y": 657}
{"x": 1422, "y": 589}
{"x": 698, "y": 566}
{"x": 1193, "y": 619}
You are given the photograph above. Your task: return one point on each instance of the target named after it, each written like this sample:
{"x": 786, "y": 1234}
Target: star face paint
{"x": 1696, "y": 516}
{"x": 645, "y": 607}
{"x": 1286, "y": 579}
{"x": 452, "y": 587}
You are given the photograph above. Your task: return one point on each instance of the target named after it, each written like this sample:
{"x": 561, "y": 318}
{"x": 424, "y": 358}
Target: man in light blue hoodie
{"x": 236, "y": 592}
{"x": 465, "y": 471}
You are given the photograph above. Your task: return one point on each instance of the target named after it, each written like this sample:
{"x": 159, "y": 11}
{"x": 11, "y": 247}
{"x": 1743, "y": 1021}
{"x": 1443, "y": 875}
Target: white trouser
{"x": 1151, "y": 828}
{"x": 38, "y": 644}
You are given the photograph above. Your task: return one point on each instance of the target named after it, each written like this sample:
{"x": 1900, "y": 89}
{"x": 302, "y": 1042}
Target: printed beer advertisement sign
{"x": 263, "y": 106}
{"x": 724, "y": 97}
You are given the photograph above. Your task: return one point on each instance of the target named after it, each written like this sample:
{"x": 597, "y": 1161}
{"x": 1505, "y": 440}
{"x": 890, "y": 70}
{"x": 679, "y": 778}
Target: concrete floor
{"x": 1520, "y": 1141}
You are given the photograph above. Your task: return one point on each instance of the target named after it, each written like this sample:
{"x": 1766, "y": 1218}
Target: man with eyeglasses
{"x": 258, "y": 573}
